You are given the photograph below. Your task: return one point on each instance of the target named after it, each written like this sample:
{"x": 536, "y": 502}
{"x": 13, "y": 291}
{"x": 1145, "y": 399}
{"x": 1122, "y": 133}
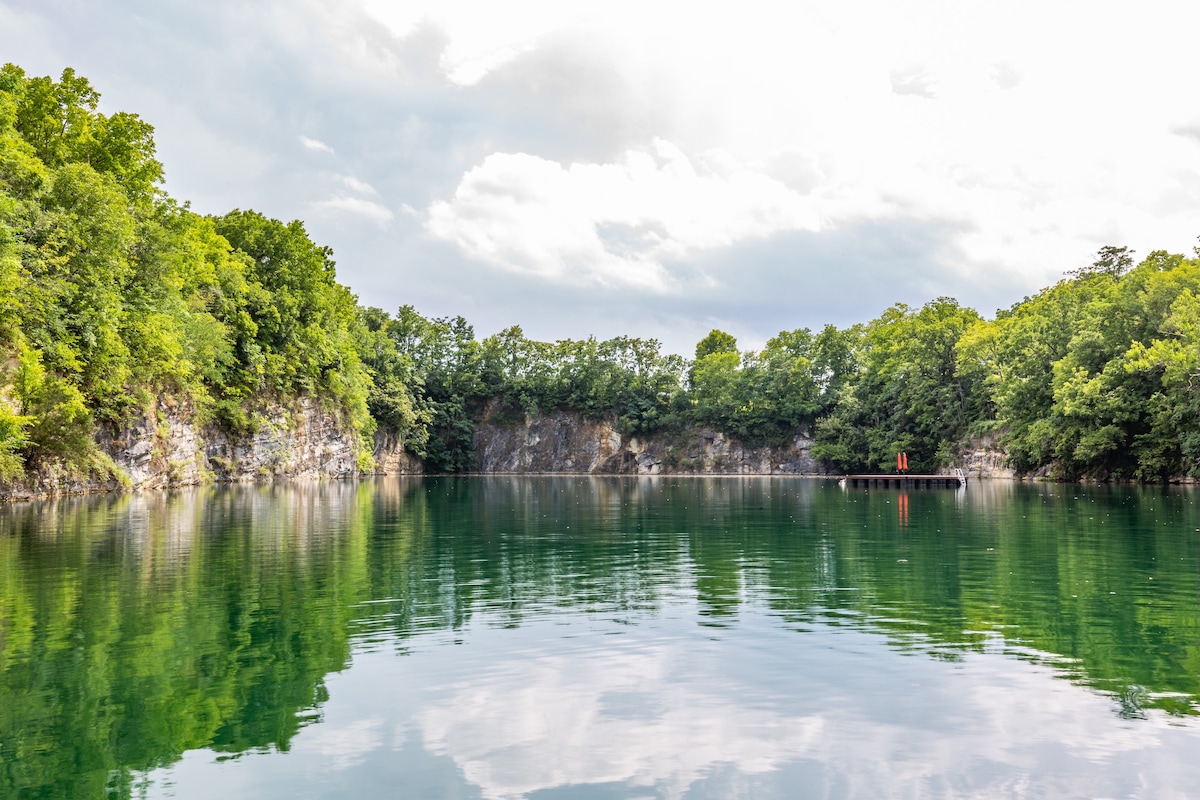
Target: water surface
{"x": 516, "y": 637}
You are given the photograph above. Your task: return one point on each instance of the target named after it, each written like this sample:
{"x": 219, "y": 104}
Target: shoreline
{"x": 7, "y": 498}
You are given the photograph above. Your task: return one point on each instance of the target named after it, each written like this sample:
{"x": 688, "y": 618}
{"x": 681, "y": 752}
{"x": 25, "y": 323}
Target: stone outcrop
{"x": 552, "y": 442}
{"x": 167, "y": 448}
{"x": 304, "y": 440}
{"x": 566, "y": 442}
{"x": 982, "y": 457}
{"x": 391, "y": 458}
{"x": 708, "y": 452}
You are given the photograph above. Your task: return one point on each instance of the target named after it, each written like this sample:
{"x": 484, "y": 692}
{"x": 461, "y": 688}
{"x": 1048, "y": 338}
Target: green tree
{"x": 1110, "y": 260}
{"x": 716, "y": 341}
{"x": 1074, "y": 390}
{"x": 910, "y": 395}
{"x": 306, "y": 325}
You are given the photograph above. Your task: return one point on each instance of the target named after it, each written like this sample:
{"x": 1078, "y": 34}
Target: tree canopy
{"x": 114, "y": 296}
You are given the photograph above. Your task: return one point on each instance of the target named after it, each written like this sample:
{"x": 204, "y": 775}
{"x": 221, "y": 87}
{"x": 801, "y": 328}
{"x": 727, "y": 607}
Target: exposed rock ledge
{"x": 167, "y": 448}
{"x": 566, "y": 442}
{"x": 304, "y": 441}
{"x": 982, "y": 457}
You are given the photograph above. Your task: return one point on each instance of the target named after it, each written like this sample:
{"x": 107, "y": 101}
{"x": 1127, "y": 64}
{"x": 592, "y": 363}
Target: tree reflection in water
{"x": 135, "y": 628}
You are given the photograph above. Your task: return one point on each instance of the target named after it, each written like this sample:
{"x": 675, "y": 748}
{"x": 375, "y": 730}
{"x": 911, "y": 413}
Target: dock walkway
{"x": 904, "y": 481}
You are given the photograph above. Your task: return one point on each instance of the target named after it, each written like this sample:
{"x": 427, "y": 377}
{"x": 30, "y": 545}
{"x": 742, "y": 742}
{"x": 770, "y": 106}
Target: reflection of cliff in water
{"x": 133, "y": 628}
{"x": 1097, "y": 581}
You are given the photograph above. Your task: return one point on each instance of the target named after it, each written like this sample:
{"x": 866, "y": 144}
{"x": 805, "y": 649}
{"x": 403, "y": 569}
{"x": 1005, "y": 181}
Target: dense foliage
{"x": 908, "y": 394}
{"x": 1097, "y": 376}
{"x": 433, "y": 379}
{"x": 114, "y": 297}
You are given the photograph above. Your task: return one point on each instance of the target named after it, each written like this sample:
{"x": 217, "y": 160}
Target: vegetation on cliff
{"x": 1097, "y": 376}
{"x": 112, "y": 295}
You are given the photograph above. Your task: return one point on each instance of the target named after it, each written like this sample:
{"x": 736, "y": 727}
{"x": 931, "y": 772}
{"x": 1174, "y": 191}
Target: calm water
{"x": 602, "y": 638}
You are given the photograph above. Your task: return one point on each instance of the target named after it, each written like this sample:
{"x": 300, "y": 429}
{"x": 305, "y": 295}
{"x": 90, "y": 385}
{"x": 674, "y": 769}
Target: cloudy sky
{"x": 652, "y": 170}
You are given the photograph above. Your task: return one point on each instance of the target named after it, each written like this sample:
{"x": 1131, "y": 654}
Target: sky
{"x": 654, "y": 169}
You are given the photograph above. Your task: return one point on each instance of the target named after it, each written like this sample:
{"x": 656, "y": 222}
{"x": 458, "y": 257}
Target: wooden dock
{"x": 956, "y": 481}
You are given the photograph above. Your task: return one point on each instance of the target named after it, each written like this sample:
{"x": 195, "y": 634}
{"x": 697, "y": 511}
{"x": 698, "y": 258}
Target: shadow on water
{"x": 134, "y": 628}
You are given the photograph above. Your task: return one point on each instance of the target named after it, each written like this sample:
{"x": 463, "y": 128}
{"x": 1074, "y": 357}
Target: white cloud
{"x": 480, "y": 36}
{"x": 356, "y": 206}
{"x": 912, "y": 80}
{"x": 315, "y": 145}
{"x": 1038, "y": 133}
{"x": 613, "y": 224}
{"x": 1010, "y": 130}
{"x": 354, "y": 184}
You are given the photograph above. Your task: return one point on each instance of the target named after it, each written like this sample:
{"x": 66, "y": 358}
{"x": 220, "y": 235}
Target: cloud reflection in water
{"x": 670, "y": 719}
{"x": 615, "y": 716}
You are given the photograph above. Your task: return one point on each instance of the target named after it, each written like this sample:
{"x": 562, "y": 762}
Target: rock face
{"x": 557, "y": 442}
{"x": 705, "y": 451}
{"x": 305, "y": 442}
{"x": 391, "y": 458}
{"x": 983, "y": 458}
{"x": 566, "y": 442}
{"x": 155, "y": 454}
{"x": 167, "y": 448}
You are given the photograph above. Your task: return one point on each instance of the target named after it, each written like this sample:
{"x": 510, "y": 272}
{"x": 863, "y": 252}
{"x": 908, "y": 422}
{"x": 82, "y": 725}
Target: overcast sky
{"x": 654, "y": 170}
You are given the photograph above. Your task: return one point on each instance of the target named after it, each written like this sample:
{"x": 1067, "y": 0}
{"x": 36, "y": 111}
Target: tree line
{"x": 114, "y": 296}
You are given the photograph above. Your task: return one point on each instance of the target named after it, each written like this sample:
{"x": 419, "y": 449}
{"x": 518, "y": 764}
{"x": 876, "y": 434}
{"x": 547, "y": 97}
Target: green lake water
{"x": 555, "y": 637}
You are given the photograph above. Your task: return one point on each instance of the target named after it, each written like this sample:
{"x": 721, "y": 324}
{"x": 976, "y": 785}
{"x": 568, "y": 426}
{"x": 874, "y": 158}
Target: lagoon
{"x": 582, "y": 637}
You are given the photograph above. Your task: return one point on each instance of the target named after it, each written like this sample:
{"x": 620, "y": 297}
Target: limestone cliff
{"x": 983, "y": 457}
{"x": 566, "y": 442}
{"x": 304, "y": 440}
{"x": 167, "y": 448}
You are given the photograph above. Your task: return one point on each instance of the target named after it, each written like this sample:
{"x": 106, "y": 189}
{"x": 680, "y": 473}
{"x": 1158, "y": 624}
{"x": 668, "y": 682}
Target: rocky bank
{"x": 982, "y": 457}
{"x": 168, "y": 448}
{"x": 304, "y": 440}
{"x": 566, "y": 442}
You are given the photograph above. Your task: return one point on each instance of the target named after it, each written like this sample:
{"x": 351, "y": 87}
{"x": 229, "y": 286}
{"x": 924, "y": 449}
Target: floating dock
{"x": 904, "y": 481}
